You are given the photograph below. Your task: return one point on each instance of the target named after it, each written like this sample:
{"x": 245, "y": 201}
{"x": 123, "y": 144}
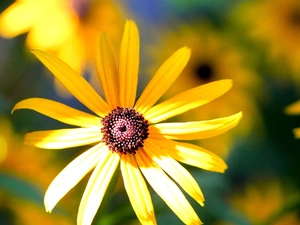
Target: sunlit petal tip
{"x": 58, "y": 111}
{"x": 14, "y": 108}
{"x": 225, "y": 167}
{"x": 195, "y": 130}
{"x": 237, "y": 117}
{"x": 48, "y": 207}
{"x": 49, "y": 203}
{"x": 186, "y": 50}
{"x": 225, "y": 83}
{"x": 187, "y": 100}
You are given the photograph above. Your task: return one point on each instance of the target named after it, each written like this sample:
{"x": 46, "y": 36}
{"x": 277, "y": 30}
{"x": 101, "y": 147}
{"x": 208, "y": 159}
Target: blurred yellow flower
{"x": 67, "y": 28}
{"x": 22, "y": 163}
{"x": 294, "y": 109}
{"x": 214, "y": 58}
{"x": 129, "y": 133}
{"x": 276, "y": 24}
{"x": 17, "y": 159}
{"x": 261, "y": 199}
{"x": 18, "y": 211}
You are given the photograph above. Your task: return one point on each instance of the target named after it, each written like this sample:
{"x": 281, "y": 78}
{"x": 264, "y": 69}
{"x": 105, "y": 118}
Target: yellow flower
{"x": 15, "y": 210}
{"x": 276, "y": 24}
{"x": 13, "y": 154}
{"x": 261, "y": 199}
{"x": 21, "y": 164}
{"x": 214, "y": 58}
{"x": 129, "y": 133}
{"x": 67, "y": 28}
{"x": 294, "y": 109}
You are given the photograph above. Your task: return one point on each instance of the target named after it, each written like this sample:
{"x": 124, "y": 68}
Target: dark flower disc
{"x": 124, "y": 130}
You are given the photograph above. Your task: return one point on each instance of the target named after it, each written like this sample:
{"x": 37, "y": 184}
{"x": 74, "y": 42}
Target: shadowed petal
{"x": 129, "y": 64}
{"x": 72, "y": 174}
{"x": 96, "y": 187}
{"x": 163, "y": 79}
{"x": 137, "y": 190}
{"x": 59, "y": 111}
{"x": 75, "y": 83}
{"x": 175, "y": 171}
{"x": 63, "y": 138}
{"x": 187, "y": 100}
{"x": 166, "y": 189}
{"x": 190, "y": 154}
{"x": 107, "y": 71}
{"x": 194, "y": 130}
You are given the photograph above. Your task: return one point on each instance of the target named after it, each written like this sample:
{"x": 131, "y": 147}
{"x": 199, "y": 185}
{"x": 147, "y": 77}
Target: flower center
{"x": 81, "y": 7}
{"x": 204, "y": 72}
{"x": 294, "y": 17}
{"x": 124, "y": 130}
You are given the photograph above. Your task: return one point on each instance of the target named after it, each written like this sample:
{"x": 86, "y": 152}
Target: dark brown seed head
{"x": 124, "y": 130}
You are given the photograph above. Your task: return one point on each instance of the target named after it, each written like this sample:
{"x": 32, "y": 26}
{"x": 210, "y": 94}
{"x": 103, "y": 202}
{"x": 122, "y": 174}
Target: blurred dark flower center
{"x": 204, "y": 71}
{"x": 124, "y": 130}
{"x": 7, "y": 216}
{"x": 294, "y": 17}
{"x": 81, "y": 7}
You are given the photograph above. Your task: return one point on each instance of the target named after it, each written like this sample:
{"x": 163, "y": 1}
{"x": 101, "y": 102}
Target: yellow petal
{"x": 72, "y": 174}
{"x": 175, "y": 171}
{"x": 129, "y": 64}
{"x": 163, "y": 79}
{"x": 59, "y": 111}
{"x": 75, "y": 83}
{"x": 187, "y": 100}
{"x": 63, "y": 138}
{"x": 137, "y": 190}
{"x": 191, "y": 154}
{"x": 65, "y": 52}
{"x": 107, "y": 71}
{"x": 96, "y": 187}
{"x": 166, "y": 189}
{"x": 194, "y": 130}
{"x": 18, "y": 18}
{"x": 293, "y": 109}
{"x": 296, "y": 132}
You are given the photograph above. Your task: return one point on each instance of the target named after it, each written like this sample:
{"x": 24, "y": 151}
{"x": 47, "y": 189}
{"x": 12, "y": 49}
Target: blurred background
{"x": 254, "y": 43}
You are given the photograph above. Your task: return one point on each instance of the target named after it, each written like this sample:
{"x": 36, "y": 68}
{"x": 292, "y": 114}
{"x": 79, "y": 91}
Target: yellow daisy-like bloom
{"x": 294, "y": 109}
{"x": 277, "y": 24}
{"x": 67, "y": 28}
{"x": 129, "y": 133}
{"x": 214, "y": 58}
